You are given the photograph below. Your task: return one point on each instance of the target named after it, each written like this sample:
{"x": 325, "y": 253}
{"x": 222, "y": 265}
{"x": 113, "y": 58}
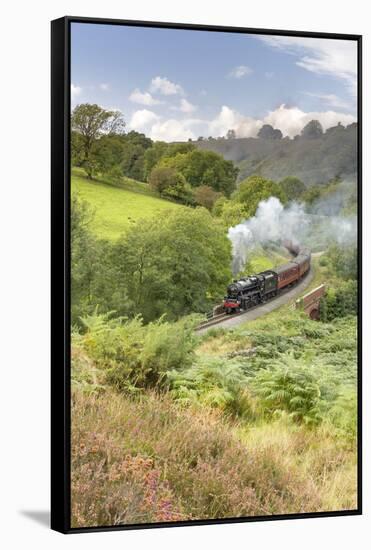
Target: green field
{"x": 116, "y": 207}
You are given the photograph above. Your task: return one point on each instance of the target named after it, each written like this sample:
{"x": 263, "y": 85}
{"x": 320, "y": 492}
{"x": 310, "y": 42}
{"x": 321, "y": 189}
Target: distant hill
{"x": 313, "y": 160}
{"x": 117, "y": 207}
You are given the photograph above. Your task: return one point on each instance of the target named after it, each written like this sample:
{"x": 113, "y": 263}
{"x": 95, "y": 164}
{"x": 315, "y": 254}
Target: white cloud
{"x": 240, "y": 71}
{"x": 174, "y": 130}
{"x": 104, "y": 86}
{"x": 143, "y": 98}
{"x": 337, "y": 58}
{"x": 75, "y": 91}
{"x": 164, "y": 86}
{"x": 185, "y": 107}
{"x": 229, "y": 119}
{"x": 158, "y": 128}
{"x": 331, "y": 99}
{"x": 291, "y": 120}
{"x": 248, "y": 127}
{"x": 143, "y": 120}
{"x": 225, "y": 120}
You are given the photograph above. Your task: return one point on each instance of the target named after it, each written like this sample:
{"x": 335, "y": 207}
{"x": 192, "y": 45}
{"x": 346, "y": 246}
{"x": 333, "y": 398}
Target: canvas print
{"x": 214, "y": 283}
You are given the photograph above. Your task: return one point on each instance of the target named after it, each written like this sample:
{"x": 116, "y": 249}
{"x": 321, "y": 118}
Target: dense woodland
{"x": 168, "y": 425}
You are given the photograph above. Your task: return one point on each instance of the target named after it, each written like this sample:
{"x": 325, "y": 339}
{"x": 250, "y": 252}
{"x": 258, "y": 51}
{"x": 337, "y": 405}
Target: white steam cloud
{"x": 274, "y": 223}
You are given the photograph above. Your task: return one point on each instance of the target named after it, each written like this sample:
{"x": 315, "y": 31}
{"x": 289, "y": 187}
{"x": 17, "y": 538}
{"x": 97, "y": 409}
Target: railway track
{"x": 225, "y": 317}
{"x": 213, "y": 321}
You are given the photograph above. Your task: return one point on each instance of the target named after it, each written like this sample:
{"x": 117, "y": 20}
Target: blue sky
{"x": 175, "y": 84}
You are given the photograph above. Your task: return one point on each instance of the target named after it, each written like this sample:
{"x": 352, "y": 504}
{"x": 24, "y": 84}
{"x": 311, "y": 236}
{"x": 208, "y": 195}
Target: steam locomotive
{"x": 256, "y": 289}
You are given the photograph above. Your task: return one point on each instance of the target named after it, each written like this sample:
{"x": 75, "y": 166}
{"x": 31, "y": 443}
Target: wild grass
{"x": 117, "y": 207}
{"x": 150, "y": 459}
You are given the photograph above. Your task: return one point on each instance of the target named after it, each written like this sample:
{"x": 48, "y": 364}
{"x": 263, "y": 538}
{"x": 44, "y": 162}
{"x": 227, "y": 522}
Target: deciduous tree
{"x": 268, "y": 132}
{"x": 293, "y": 187}
{"x": 204, "y": 168}
{"x": 312, "y": 130}
{"x": 206, "y": 196}
{"x": 92, "y": 121}
{"x": 174, "y": 265}
{"x": 255, "y": 189}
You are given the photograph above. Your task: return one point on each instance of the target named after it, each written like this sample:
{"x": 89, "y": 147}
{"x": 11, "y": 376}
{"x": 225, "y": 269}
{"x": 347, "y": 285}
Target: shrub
{"x": 293, "y": 187}
{"x": 216, "y": 383}
{"x": 341, "y": 301}
{"x": 168, "y": 346}
{"x": 343, "y": 413}
{"x": 290, "y": 387}
{"x": 343, "y": 260}
{"x": 85, "y": 376}
{"x": 206, "y": 196}
{"x": 135, "y": 356}
{"x": 161, "y": 178}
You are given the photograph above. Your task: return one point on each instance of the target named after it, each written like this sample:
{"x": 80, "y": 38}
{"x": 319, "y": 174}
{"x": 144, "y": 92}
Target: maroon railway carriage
{"x": 287, "y": 274}
{"x": 303, "y": 261}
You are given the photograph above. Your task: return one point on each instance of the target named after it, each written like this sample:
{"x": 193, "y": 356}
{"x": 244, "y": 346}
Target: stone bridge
{"x": 310, "y": 302}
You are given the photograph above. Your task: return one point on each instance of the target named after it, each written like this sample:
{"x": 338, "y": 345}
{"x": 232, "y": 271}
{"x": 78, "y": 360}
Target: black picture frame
{"x": 60, "y": 270}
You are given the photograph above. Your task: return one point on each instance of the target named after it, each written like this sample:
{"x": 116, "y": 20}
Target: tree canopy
{"x": 174, "y": 265}
{"x": 293, "y": 187}
{"x": 205, "y": 195}
{"x": 171, "y": 184}
{"x": 255, "y": 189}
{"x": 91, "y": 121}
{"x": 312, "y": 130}
{"x": 268, "y": 132}
{"x": 204, "y": 168}
{"x": 84, "y": 258}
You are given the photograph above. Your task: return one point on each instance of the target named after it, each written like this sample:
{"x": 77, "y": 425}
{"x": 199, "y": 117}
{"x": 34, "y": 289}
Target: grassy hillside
{"x": 116, "y": 207}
